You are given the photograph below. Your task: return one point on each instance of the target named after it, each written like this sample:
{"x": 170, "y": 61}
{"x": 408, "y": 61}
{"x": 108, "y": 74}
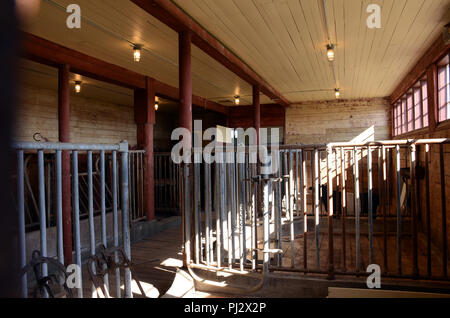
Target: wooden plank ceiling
{"x": 285, "y": 41}
{"x": 110, "y": 27}
{"x": 282, "y": 40}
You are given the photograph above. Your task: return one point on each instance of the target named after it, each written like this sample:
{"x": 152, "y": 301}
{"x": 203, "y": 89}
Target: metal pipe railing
{"x": 56, "y": 149}
{"x": 354, "y": 183}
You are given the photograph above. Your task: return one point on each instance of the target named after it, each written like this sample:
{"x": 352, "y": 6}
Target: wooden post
{"x": 144, "y": 115}
{"x": 257, "y": 105}
{"x": 185, "y": 114}
{"x": 433, "y": 115}
{"x": 64, "y": 136}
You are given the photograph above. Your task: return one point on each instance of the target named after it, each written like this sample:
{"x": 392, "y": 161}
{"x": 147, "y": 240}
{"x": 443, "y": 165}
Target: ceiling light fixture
{"x": 77, "y": 87}
{"x": 137, "y": 52}
{"x": 156, "y": 105}
{"x": 337, "y": 92}
{"x": 237, "y": 100}
{"x": 330, "y": 52}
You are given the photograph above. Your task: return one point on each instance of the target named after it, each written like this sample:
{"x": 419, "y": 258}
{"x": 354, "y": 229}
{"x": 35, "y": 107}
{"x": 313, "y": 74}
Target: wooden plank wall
{"x": 92, "y": 121}
{"x": 337, "y": 120}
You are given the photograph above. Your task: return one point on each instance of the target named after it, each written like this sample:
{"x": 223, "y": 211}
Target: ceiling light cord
{"x": 327, "y": 29}
{"x": 326, "y": 21}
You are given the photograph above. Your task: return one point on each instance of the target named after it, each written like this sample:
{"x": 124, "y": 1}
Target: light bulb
{"x": 337, "y": 92}
{"x": 237, "y": 100}
{"x": 330, "y": 52}
{"x": 156, "y": 105}
{"x": 77, "y": 87}
{"x": 137, "y": 52}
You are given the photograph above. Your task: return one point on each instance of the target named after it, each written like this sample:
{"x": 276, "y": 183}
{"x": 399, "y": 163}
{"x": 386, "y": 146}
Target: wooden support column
{"x": 64, "y": 136}
{"x": 257, "y": 105}
{"x": 144, "y": 115}
{"x": 433, "y": 115}
{"x": 185, "y": 114}
{"x": 185, "y": 78}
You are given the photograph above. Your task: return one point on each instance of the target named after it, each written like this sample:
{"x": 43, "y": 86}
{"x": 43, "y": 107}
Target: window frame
{"x": 446, "y": 87}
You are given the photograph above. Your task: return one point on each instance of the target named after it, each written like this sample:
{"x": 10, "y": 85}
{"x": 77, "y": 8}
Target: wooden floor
{"x": 155, "y": 260}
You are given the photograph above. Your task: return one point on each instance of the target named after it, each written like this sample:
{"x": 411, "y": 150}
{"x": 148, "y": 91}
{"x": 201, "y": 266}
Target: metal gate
{"x": 119, "y": 182}
{"x": 322, "y": 212}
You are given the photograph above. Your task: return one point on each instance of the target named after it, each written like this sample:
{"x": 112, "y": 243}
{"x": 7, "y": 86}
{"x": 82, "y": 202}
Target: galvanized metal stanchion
{"x": 330, "y": 213}
{"x": 399, "y": 212}
{"x": 21, "y": 214}
{"x": 357, "y": 208}
{"x": 76, "y": 216}
{"x": 125, "y": 219}
{"x": 370, "y": 201}
{"x": 91, "y": 212}
{"x": 443, "y": 210}
{"x": 316, "y": 206}
{"x": 115, "y": 219}
{"x": 290, "y": 208}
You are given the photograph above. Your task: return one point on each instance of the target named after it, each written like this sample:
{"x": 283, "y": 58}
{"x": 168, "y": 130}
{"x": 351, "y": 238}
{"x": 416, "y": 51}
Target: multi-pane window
{"x": 424, "y": 91}
{"x": 444, "y": 89}
{"x": 404, "y": 130}
{"x": 411, "y": 110}
{"x": 417, "y": 108}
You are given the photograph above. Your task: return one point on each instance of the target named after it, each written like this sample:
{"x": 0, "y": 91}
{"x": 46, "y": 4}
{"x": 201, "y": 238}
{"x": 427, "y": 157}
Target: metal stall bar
{"x": 218, "y": 209}
{"x": 330, "y": 213}
{"x": 302, "y": 185}
{"x": 296, "y": 184}
{"x": 21, "y": 214}
{"x": 370, "y": 201}
{"x": 234, "y": 206}
{"x": 208, "y": 191}
{"x": 385, "y": 206}
{"x": 115, "y": 219}
{"x": 197, "y": 205}
{"x": 91, "y": 211}
{"x": 414, "y": 207}
{"x": 242, "y": 211}
{"x": 343, "y": 191}
{"x": 187, "y": 213}
{"x": 103, "y": 208}
{"x": 428, "y": 207}
{"x": 305, "y": 212}
{"x": 59, "y": 218}
{"x": 357, "y": 208}
{"x": 279, "y": 208}
{"x": 223, "y": 202}
{"x": 316, "y": 206}
{"x": 399, "y": 213}
{"x": 125, "y": 221}
{"x": 266, "y": 217}
{"x": 290, "y": 170}
{"x": 42, "y": 213}
{"x": 229, "y": 201}
{"x": 76, "y": 216}
{"x": 444, "y": 210}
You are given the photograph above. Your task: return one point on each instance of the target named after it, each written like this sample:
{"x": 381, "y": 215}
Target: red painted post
{"x": 64, "y": 136}
{"x": 257, "y": 105}
{"x": 185, "y": 115}
{"x": 144, "y": 113}
{"x": 185, "y": 77}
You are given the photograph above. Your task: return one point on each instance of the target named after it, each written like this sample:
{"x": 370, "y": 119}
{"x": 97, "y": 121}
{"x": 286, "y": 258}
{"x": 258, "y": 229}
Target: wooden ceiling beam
{"x": 170, "y": 14}
{"x": 49, "y": 53}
